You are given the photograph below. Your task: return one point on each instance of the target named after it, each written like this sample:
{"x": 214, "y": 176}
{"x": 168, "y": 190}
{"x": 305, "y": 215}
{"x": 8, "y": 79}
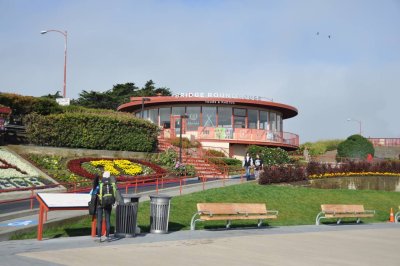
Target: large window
{"x": 273, "y": 124}
{"x": 252, "y": 118}
{"x": 239, "y": 118}
{"x": 153, "y": 116}
{"x": 165, "y": 114}
{"x": 193, "y": 121}
{"x": 279, "y": 122}
{"x": 224, "y": 116}
{"x": 180, "y": 110}
{"x": 264, "y": 120}
{"x": 209, "y": 116}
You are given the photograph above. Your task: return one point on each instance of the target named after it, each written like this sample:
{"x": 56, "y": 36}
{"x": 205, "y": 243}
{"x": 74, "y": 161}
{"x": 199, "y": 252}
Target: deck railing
{"x": 248, "y": 134}
{"x": 386, "y": 142}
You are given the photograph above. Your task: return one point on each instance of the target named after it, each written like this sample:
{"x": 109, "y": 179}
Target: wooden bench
{"x": 232, "y": 211}
{"x": 339, "y": 211}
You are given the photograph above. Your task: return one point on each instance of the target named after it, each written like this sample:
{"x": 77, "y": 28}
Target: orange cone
{"x": 391, "y": 219}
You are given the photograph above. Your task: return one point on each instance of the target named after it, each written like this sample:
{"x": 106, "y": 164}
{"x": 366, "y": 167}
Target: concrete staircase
{"x": 193, "y": 157}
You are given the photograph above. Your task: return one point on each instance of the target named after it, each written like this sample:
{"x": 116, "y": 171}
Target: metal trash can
{"x": 126, "y": 216}
{"x": 159, "y": 213}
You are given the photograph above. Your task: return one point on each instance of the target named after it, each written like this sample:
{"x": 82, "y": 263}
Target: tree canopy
{"x": 119, "y": 94}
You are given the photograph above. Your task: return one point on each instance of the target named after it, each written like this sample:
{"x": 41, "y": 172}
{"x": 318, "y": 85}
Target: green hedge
{"x": 92, "y": 131}
{"x": 270, "y": 156}
{"x": 355, "y": 147}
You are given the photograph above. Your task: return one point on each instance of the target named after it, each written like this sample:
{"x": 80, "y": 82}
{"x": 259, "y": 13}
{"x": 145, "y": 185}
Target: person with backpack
{"x": 106, "y": 194}
{"x": 247, "y": 164}
{"x": 259, "y": 166}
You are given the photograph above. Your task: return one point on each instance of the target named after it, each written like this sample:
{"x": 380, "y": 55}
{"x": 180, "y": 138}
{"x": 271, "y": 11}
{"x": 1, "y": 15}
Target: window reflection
{"x": 209, "y": 116}
{"x": 193, "y": 121}
{"x": 264, "y": 120}
{"x": 252, "y": 118}
{"x": 165, "y": 114}
{"x": 224, "y": 116}
{"x": 272, "y": 116}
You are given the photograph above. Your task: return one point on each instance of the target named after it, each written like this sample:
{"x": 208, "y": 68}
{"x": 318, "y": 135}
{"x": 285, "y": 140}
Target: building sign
{"x": 63, "y": 101}
{"x": 220, "y": 102}
{"x": 217, "y": 95}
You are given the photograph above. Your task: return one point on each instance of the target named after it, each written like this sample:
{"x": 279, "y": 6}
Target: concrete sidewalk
{"x": 27, "y": 221}
{"x": 358, "y": 244}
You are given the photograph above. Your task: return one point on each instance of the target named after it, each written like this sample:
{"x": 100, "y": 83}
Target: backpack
{"x": 106, "y": 196}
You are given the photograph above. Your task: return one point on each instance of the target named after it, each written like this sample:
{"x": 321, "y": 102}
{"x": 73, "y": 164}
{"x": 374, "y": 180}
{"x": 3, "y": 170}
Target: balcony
{"x": 248, "y": 136}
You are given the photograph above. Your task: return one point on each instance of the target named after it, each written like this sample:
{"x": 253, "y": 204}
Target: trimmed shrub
{"x": 92, "y": 131}
{"x": 279, "y": 174}
{"x": 215, "y": 153}
{"x": 270, "y": 156}
{"x": 355, "y": 147}
{"x": 186, "y": 143}
{"x": 22, "y": 105}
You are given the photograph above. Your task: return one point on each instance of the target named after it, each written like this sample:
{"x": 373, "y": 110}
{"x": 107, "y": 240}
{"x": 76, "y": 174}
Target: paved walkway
{"x": 358, "y": 244}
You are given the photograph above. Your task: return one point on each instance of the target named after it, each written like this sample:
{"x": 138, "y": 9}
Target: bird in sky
{"x": 329, "y": 36}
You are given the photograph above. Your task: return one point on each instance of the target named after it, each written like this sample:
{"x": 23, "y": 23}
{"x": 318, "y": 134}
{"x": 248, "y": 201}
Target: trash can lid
{"x": 160, "y": 196}
{"x": 130, "y": 195}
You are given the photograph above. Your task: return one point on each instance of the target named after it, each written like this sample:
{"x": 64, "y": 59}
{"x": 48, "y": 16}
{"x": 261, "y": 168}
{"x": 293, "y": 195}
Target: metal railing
{"x": 385, "y": 142}
{"x": 137, "y": 185}
{"x": 248, "y": 134}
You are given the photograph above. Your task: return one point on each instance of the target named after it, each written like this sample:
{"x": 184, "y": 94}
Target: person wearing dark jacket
{"x": 247, "y": 164}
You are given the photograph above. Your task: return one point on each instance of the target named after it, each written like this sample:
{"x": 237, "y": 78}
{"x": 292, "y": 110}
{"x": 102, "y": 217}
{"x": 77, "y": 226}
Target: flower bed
{"x": 124, "y": 169}
{"x": 314, "y": 170}
{"x": 14, "y": 173}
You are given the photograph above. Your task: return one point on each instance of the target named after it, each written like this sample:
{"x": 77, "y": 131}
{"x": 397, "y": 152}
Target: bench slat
{"x": 231, "y": 208}
{"x": 236, "y": 217}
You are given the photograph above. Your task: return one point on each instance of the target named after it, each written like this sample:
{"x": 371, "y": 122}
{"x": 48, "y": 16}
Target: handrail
{"x": 248, "y": 134}
{"x": 385, "y": 142}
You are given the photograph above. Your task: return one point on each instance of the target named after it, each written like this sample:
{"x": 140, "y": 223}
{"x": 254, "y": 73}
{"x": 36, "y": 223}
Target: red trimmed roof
{"x": 136, "y": 103}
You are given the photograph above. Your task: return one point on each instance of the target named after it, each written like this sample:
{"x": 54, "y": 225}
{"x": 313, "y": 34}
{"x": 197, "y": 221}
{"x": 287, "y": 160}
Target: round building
{"x": 222, "y": 122}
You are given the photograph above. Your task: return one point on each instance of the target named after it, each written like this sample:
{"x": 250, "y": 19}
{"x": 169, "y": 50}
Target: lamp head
{"x": 348, "y": 119}
{"x": 43, "y": 32}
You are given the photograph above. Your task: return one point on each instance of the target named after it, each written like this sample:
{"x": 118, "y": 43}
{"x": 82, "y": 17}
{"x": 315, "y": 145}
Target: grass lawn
{"x": 296, "y": 206}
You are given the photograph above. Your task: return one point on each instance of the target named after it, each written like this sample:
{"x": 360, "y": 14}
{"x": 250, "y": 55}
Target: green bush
{"x": 270, "y": 156}
{"x": 92, "y": 131}
{"x": 355, "y": 147}
{"x": 22, "y": 105}
{"x": 169, "y": 159}
{"x": 186, "y": 143}
{"x": 227, "y": 161}
{"x": 166, "y": 158}
{"x": 215, "y": 153}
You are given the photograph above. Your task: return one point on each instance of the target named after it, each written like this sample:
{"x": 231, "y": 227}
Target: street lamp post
{"x": 65, "y": 34}
{"x": 142, "y": 111}
{"x": 180, "y": 137}
{"x": 359, "y": 123}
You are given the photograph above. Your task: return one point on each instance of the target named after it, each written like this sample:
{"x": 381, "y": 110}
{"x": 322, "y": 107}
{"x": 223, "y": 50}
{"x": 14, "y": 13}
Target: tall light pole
{"x": 65, "y": 34}
{"x": 143, "y": 100}
{"x": 180, "y": 137}
{"x": 359, "y": 123}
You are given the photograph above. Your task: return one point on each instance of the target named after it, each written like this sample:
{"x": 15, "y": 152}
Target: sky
{"x": 279, "y": 50}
